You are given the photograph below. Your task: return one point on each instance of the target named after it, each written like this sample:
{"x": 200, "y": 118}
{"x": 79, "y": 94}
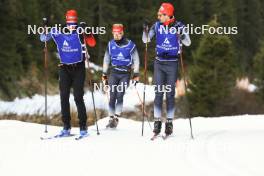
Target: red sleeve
{"x": 90, "y": 40}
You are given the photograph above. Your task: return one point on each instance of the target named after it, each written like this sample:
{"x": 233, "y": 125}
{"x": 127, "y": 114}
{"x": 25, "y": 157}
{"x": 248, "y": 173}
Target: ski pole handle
{"x": 83, "y": 24}
{"x": 146, "y": 25}
{"x": 45, "y": 21}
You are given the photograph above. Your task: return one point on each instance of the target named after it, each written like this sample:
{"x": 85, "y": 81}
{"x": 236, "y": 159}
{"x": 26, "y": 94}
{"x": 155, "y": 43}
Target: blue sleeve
{"x": 45, "y": 37}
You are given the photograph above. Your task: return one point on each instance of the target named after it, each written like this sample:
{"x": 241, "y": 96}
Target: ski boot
{"x": 113, "y": 122}
{"x": 65, "y": 132}
{"x": 83, "y": 131}
{"x": 157, "y": 127}
{"x": 168, "y": 127}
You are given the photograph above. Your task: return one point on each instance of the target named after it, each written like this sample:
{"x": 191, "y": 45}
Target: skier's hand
{"x": 83, "y": 24}
{"x": 105, "y": 79}
{"x": 90, "y": 40}
{"x": 182, "y": 37}
{"x": 146, "y": 25}
{"x": 45, "y": 21}
{"x": 135, "y": 79}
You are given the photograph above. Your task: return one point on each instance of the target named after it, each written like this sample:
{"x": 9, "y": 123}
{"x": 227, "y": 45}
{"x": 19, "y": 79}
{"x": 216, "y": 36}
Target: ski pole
{"x": 45, "y": 76}
{"x": 141, "y": 103}
{"x": 185, "y": 88}
{"x": 90, "y": 82}
{"x": 145, "y": 81}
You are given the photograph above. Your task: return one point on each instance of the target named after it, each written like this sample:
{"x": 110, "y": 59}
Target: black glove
{"x": 45, "y": 21}
{"x": 135, "y": 79}
{"x": 105, "y": 79}
{"x": 182, "y": 36}
{"x": 146, "y": 25}
{"x": 83, "y": 24}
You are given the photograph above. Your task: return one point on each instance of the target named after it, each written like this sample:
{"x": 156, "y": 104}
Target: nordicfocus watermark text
{"x": 58, "y": 28}
{"x": 188, "y": 29}
{"x": 123, "y": 87}
{"x": 199, "y": 30}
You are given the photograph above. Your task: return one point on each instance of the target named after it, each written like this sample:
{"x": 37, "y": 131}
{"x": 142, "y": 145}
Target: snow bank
{"x": 36, "y": 104}
{"x": 228, "y": 146}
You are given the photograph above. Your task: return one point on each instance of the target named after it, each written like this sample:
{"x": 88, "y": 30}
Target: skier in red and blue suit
{"x": 121, "y": 59}
{"x": 169, "y": 34}
{"x": 70, "y": 46}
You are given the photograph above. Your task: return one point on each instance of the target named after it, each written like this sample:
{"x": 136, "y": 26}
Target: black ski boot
{"x": 157, "y": 126}
{"x": 168, "y": 127}
{"x": 113, "y": 122}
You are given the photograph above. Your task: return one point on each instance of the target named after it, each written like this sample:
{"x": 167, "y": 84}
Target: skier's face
{"x": 71, "y": 26}
{"x": 159, "y": 15}
{"x": 118, "y": 35}
{"x": 163, "y": 18}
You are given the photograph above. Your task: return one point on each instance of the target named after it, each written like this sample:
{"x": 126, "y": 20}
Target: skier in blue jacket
{"x": 71, "y": 70}
{"x": 166, "y": 62}
{"x": 122, "y": 57}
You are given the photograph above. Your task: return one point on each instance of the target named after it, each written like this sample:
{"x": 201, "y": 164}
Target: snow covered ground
{"x": 227, "y": 146}
{"x": 35, "y": 105}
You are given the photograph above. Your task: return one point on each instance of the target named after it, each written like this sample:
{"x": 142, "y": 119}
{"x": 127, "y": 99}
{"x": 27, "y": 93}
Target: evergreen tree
{"x": 212, "y": 76}
{"x": 21, "y": 52}
{"x": 259, "y": 70}
{"x": 250, "y": 31}
{"x": 10, "y": 67}
{"x": 225, "y": 12}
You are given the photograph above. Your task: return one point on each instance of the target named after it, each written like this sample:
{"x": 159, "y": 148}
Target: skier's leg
{"x": 78, "y": 92}
{"x": 113, "y": 82}
{"x": 171, "y": 75}
{"x": 65, "y": 83}
{"x": 123, "y": 84}
{"x": 159, "y": 81}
